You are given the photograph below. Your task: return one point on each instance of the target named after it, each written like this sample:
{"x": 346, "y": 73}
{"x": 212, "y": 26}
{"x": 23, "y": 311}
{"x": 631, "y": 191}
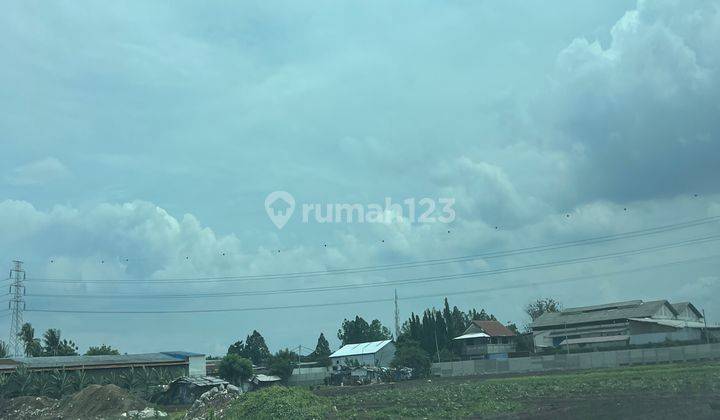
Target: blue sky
{"x": 153, "y": 132}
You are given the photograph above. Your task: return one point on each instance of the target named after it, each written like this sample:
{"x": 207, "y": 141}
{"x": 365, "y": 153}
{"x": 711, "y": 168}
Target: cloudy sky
{"x": 140, "y": 140}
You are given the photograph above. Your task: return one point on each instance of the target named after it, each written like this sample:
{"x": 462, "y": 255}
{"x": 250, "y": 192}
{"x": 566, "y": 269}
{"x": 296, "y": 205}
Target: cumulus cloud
{"x": 39, "y": 172}
{"x": 639, "y": 117}
{"x": 181, "y": 120}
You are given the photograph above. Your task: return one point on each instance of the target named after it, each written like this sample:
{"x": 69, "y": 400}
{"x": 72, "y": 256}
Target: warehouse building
{"x": 619, "y": 324}
{"x": 375, "y": 353}
{"x": 174, "y": 363}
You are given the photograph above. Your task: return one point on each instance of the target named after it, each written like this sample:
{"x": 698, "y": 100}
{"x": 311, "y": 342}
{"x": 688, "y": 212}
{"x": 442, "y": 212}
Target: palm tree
{"x": 32, "y": 345}
{"x": 52, "y": 341}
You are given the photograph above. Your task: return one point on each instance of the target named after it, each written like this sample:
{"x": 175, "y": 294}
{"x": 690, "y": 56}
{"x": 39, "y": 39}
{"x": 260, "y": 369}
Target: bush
{"x": 410, "y": 354}
{"x": 283, "y": 363}
{"x": 235, "y": 369}
{"x": 279, "y": 402}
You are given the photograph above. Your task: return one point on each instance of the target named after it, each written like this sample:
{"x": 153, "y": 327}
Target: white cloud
{"x": 40, "y": 172}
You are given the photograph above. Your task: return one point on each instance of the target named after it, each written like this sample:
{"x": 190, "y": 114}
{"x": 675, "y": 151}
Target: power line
{"x": 412, "y": 264}
{"x": 472, "y": 291}
{"x": 427, "y": 279}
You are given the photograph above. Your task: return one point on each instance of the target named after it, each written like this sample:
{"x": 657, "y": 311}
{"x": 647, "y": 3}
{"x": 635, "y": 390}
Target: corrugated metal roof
{"x": 71, "y": 361}
{"x": 361, "y": 348}
{"x": 201, "y": 380}
{"x": 602, "y": 339}
{"x": 608, "y": 312}
{"x": 494, "y": 328}
{"x": 471, "y": 335}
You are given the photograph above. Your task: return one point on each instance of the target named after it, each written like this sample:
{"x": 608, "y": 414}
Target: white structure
{"x": 375, "y": 353}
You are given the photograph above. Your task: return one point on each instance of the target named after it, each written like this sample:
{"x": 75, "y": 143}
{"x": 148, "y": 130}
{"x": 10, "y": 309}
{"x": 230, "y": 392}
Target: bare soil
{"x": 639, "y": 406}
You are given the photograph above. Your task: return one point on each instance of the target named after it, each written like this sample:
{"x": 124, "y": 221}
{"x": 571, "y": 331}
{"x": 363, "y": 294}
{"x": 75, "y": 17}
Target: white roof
{"x": 471, "y": 335}
{"x": 361, "y": 348}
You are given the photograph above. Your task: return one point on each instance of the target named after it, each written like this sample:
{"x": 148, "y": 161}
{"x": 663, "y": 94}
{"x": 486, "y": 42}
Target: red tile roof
{"x": 494, "y": 328}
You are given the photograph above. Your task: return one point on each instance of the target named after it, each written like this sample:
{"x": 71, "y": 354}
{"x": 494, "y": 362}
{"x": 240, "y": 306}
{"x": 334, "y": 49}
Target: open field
{"x": 660, "y": 391}
{"x": 652, "y": 392}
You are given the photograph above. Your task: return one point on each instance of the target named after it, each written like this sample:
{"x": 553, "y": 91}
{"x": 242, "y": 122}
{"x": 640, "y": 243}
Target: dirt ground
{"x": 656, "y": 407}
{"x": 95, "y": 401}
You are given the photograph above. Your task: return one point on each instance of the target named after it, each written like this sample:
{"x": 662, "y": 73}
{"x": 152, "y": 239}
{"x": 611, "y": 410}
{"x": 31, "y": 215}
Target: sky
{"x": 141, "y": 139}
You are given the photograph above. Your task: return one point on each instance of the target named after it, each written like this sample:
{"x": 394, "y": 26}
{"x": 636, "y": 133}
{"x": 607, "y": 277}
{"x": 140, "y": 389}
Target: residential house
{"x": 487, "y": 340}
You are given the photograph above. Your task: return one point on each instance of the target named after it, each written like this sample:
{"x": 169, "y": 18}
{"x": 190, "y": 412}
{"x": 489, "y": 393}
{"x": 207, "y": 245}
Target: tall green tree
{"x": 31, "y": 345}
{"x": 435, "y": 330}
{"x": 359, "y": 331}
{"x": 322, "y": 351}
{"x": 54, "y": 345}
{"x": 254, "y": 348}
{"x": 235, "y": 369}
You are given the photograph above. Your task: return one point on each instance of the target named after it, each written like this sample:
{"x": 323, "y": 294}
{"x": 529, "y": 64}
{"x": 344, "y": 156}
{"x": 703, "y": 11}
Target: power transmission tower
{"x": 397, "y": 317}
{"x": 17, "y": 305}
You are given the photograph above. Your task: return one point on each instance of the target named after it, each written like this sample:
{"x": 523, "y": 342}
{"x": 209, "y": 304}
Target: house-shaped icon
{"x": 280, "y": 206}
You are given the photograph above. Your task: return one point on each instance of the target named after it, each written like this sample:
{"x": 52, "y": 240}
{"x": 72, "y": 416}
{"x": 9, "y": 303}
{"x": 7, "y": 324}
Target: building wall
{"x": 685, "y": 334}
{"x": 600, "y": 359}
{"x": 197, "y": 366}
{"x": 385, "y": 355}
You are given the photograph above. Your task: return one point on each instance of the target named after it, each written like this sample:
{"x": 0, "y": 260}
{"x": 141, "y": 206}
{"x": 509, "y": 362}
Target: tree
{"x": 540, "y": 306}
{"x": 254, "y": 348}
{"x": 4, "y": 350}
{"x": 235, "y": 369}
{"x": 237, "y": 348}
{"x": 359, "y": 331}
{"x": 409, "y": 354}
{"x": 283, "y": 363}
{"x": 55, "y": 346}
{"x": 322, "y": 351}
{"x": 31, "y": 345}
{"x": 103, "y": 350}
{"x": 435, "y": 330}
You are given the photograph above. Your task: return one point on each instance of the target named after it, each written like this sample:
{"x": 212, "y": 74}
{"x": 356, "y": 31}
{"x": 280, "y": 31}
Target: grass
{"x": 476, "y": 397}
{"x": 473, "y": 397}
{"x": 279, "y": 402}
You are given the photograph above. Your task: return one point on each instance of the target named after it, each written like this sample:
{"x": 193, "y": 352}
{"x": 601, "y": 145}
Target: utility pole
{"x": 707, "y": 333}
{"x": 17, "y": 305}
{"x": 397, "y": 317}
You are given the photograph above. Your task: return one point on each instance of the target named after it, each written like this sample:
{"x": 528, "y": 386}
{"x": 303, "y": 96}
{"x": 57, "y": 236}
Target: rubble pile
{"x": 213, "y": 402}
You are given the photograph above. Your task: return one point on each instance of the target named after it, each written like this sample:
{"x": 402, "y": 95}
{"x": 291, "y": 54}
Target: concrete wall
{"x": 600, "y": 359}
{"x": 197, "y": 366}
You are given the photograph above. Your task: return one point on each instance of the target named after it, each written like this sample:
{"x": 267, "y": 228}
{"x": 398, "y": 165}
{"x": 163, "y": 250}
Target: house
{"x": 487, "y": 340}
{"x": 375, "y": 353}
{"x": 619, "y": 324}
{"x": 263, "y": 381}
{"x": 175, "y": 363}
